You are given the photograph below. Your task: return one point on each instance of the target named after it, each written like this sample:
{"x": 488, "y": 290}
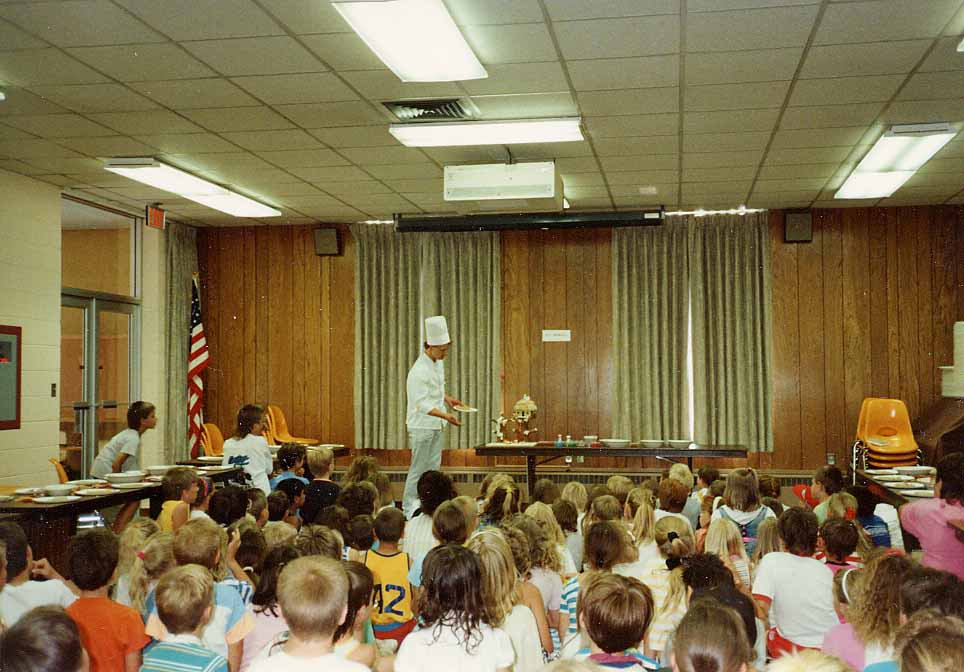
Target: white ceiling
{"x": 715, "y": 103}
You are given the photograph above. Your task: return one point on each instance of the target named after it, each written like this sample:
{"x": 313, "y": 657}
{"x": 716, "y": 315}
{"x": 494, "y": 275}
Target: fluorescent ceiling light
{"x": 417, "y": 39}
{"x": 894, "y": 158}
{"x": 487, "y": 132}
{"x": 168, "y": 178}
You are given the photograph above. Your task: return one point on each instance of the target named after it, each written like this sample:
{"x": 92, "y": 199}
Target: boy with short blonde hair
{"x": 185, "y": 603}
{"x": 313, "y": 597}
{"x": 615, "y": 612}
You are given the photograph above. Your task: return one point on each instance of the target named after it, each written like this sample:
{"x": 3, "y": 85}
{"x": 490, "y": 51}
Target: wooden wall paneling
{"x": 516, "y": 324}
{"x": 231, "y": 296}
{"x": 602, "y": 323}
{"x": 262, "y": 302}
{"x": 279, "y": 319}
{"x": 315, "y": 293}
{"x": 341, "y": 351}
{"x": 537, "y": 373}
{"x": 786, "y": 349}
{"x": 925, "y": 308}
{"x": 580, "y": 278}
{"x": 879, "y": 351}
{"x": 838, "y": 438}
{"x": 249, "y": 316}
{"x": 555, "y": 316}
{"x": 813, "y": 390}
{"x": 893, "y": 307}
{"x": 946, "y": 270}
{"x": 907, "y": 265}
{"x": 299, "y": 248}
{"x": 856, "y": 286}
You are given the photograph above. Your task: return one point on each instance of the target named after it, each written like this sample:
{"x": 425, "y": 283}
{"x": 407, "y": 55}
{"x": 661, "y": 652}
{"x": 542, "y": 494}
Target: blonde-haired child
{"x": 575, "y": 492}
{"x": 723, "y": 540}
{"x": 518, "y": 544}
{"x": 179, "y": 489}
{"x": 742, "y": 505}
{"x": 503, "y": 502}
{"x": 503, "y": 599}
{"x": 132, "y": 541}
{"x": 767, "y": 541}
{"x": 674, "y": 536}
{"x": 154, "y": 559}
{"x": 542, "y": 514}
{"x": 843, "y": 505}
{"x": 641, "y": 510}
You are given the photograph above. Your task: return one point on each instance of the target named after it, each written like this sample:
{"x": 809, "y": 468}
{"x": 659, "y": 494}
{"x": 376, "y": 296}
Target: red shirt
{"x": 109, "y": 631}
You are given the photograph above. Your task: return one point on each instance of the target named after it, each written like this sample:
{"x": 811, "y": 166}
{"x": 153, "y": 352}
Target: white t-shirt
{"x": 15, "y": 601}
{"x": 282, "y": 662}
{"x": 523, "y": 630}
{"x": 568, "y": 564}
{"x": 549, "y": 584}
{"x": 122, "y": 590}
{"x": 574, "y": 543}
{"x": 253, "y": 455}
{"x": 422, "y": 651}
{"x": 418, "y": 539}
{"x": 801, "y": 594}
{"x": 127, "y": 442}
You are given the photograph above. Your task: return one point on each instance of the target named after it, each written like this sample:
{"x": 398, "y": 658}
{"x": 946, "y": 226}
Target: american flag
{"x": 197, "y": 361}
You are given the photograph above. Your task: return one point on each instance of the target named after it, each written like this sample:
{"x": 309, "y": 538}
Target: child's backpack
{"x": 748, "y": 530}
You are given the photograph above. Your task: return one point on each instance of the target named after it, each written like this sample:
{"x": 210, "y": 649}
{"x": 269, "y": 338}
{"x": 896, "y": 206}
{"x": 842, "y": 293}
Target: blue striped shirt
{"x": 182, "y": 653}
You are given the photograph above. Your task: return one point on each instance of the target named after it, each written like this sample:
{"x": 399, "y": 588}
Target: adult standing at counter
{"x": 426, "y": 413}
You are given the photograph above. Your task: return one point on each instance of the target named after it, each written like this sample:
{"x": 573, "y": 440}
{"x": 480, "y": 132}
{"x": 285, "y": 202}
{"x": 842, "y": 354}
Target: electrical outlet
{"x": 53, "y": 390}
{"x": 580, "y": 458}
{"x": 831, "y": 458}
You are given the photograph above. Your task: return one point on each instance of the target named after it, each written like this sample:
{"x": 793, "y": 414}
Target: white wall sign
{"x": 556, "y": 335}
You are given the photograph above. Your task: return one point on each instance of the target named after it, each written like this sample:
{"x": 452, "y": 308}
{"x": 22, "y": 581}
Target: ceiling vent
{"x": 432, "y": 110}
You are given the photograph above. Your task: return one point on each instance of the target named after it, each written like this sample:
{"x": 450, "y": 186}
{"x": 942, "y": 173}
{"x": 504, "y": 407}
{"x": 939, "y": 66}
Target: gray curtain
{"x": 460, "y": 278}
{"x": 732, "y": 338}
{"x": 650, "y": 299}
{"x": 181, "y": 265}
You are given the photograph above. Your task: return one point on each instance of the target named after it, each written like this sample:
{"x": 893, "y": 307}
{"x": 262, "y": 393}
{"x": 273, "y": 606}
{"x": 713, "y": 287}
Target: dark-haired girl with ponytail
{"x": 248, "y": 449}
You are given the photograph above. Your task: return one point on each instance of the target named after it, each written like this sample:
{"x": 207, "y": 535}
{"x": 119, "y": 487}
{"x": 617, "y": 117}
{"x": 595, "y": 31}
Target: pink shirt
{"x": 927, "y": 520}
{"x": 266, "y": 628}
{"x": 841, "y": 641}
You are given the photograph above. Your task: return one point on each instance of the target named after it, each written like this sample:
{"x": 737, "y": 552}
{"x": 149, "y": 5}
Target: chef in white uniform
{"x": 427, "y": 408}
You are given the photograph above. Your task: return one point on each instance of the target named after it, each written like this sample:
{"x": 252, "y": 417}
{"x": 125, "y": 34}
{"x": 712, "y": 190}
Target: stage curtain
{"x": 732, "y": 331}
{"x": 401, "y": 279}
{"x": 650, "y": 297}
{"x": 461, "y": 279}
{"x": 181, "y": 263}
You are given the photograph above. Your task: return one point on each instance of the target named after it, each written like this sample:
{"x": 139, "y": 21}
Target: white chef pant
{"x": 426, "y": 445}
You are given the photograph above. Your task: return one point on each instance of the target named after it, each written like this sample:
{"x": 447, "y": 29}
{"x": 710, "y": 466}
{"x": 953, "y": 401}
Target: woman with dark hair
{"x": 929, "y": 519}
{"x": 248, "y": 449}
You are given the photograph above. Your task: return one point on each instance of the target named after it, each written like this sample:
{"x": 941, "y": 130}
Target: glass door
{"x": 99, "y": 373}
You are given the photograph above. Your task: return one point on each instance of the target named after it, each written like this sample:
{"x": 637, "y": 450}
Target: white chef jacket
{"x": 426, "y": 390}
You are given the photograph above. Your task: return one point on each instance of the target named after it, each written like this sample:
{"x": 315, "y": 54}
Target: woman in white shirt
{"x": 248, "y": 449}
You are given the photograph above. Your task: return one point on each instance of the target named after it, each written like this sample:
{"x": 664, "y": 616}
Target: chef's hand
{"x": 452, "y": 420}
{"x": 453, "y": 402}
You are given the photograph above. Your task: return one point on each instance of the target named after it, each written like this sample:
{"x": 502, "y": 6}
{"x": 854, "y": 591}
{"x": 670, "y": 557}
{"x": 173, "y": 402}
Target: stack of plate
{"x": 887, "y": 453}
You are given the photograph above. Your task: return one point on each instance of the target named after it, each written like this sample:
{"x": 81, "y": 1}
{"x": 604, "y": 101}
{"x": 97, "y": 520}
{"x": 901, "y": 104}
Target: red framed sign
{"x": 11, "y": 368}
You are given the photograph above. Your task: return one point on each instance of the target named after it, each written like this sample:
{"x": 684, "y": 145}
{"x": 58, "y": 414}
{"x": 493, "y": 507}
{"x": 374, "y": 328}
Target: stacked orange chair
{"x": 279, "y": 427}
{"x": 885, "y": 435}
{"x": 211, "y": 439}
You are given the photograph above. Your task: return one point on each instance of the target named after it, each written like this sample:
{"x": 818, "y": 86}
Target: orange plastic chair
{"x": 280, "y": 429}
{"x": 211, "y": 439}
{"x": 885, "y": 430}
{"x": 61, "y": 472}
{"x": 267, "y": 430}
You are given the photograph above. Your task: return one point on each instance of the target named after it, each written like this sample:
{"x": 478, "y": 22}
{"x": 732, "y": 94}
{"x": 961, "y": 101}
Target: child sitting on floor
{"x": 291, "y": 459}
{"x": 154, "y": 560}
{"x": 704, "y": 479}
{"x": 268, "y": 622}
{"x": 840, "y": 540}
{"x": 205, "y": 488}
{"x": 350, "y": 635}
{"x": 257, "y": 506}
{"x": 742, "y": 505}
{"x": 615, "y": 613}
{"x": 321, "y": 491}
{"x": 20, "y": 595}
{"x": 112, "y": 634}
{"x": 393, "y": 617}
{"x": 185, "y": 604}
{"x": 711, "y": 631}
{"x": 295, "y": 490}
{"x": 179, "y": 489}
{"x": 132, "y": 541}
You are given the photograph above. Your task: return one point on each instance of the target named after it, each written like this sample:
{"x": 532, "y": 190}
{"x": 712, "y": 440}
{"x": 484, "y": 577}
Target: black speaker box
{"x": 326, "y": 242}
{"x": 798, "y": 227}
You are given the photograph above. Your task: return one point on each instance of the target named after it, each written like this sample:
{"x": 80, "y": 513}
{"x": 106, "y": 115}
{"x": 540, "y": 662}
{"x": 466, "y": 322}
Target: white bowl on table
{"x": 651, "y": 443}
{"x": 59, "y": 489}
{"x": 160, "y": 469}
{"x": 125, "y": 476}
{"x": 679, "y": 443}
{"x": 615, "y": 443}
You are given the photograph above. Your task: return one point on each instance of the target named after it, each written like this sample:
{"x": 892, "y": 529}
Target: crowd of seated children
{"x": 705, "y": 576}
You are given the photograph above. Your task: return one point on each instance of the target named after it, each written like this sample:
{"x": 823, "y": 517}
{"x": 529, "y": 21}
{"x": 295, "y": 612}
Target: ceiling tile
{"x": 830, "y": 116}
{"x": 53, "y": 164}
{"x": 343, "y": 51}
{"x": 117, "y": 145}
{"x": 307, "y": 16}
{"x": 639, "y": 178}
{"x": 546, "y": 151}
{"x": 303, "y": 88}
{"x": 472, "y": 154}
{"x": 357, "y": 186}
{"x": 806, "y": 155}
{"x": 938, "y": 181}
{"x": 304, "y": 158}
{"x": 255, "y": 56}
{"x": 21, "y": 101}
{"x": 872, "y": 58}
{"x": 366, "y": 156}
{"x": 920, "y": 111}
{"x": 725, "y": 5}
{"x": 934, "y": 86}
{"x": 758, "y": 65}
{"x": 33, "y": 67}
{"x": 179, "y": 19}
{"x": 273, "y": 140}
{"x": 143, "y": 62}
{"x": 315, "y": 115}
{"x": 12, "y": 37}
{"x": 574, "y": 192}
{"x": 624, "y": 73}
{"x": 10, "y": 133}
{"x": 945, "y": 56}
{"x": 761, "y": 28}
{"x": 944, "y": 165}
{"x": 385, "y": 203}
{"x": 719, "y": 142}
{"x": 585, "y": 180}
{"x": 140, "y": 123}
{"x": 618, "y": 38}
{"x": 285, "y": 190}
{"x": 567, "y": 10}
{"x": 632, "y": 125}
{"x": 518, "y": 78}
{"x": 662, "y": 144}
{"x": 405, "y": 171}
{"x": 719, "y": 174}
{"x": 29, "y": 149}
{"x": 79, "y": 23}
{"x": 239, "y": 119}
{"x": 840, "y": 90}
{"x": 21, "y": 168}
{"x": 727, "y": 188}
{"x": 735, "y": 96}
{"x": 612, "y": 164}
{"x": 826, "y": 137}
{"x": 385, "y": 85}
{"x": 355, "y": 136}
{"x": 791, "y": 184}
{"x": 526, "y": 106}
{"x": 186, "y": 94}
{"x": 96, "y": 98}
{"x": 577, "y": 164}
{"x": 515, "y": 43}
{"x": 181, "y": 143}
{"x": 58, "y": 126}
{"x": 490, "y": 12}
{"x": 324, "y": 174}
{"x": 883, "y": 20}
{"x": 423, "y": 185}
{"x": 798, "y": 171}
{"x": 629, "y": 101}
{"x": 711, "y": 159}
{"x": 730, "y": 121}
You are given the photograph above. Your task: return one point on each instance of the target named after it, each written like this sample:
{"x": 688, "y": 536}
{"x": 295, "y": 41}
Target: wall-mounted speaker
{"x": 798, "y": 227}
{"x": 326, "y": 242}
